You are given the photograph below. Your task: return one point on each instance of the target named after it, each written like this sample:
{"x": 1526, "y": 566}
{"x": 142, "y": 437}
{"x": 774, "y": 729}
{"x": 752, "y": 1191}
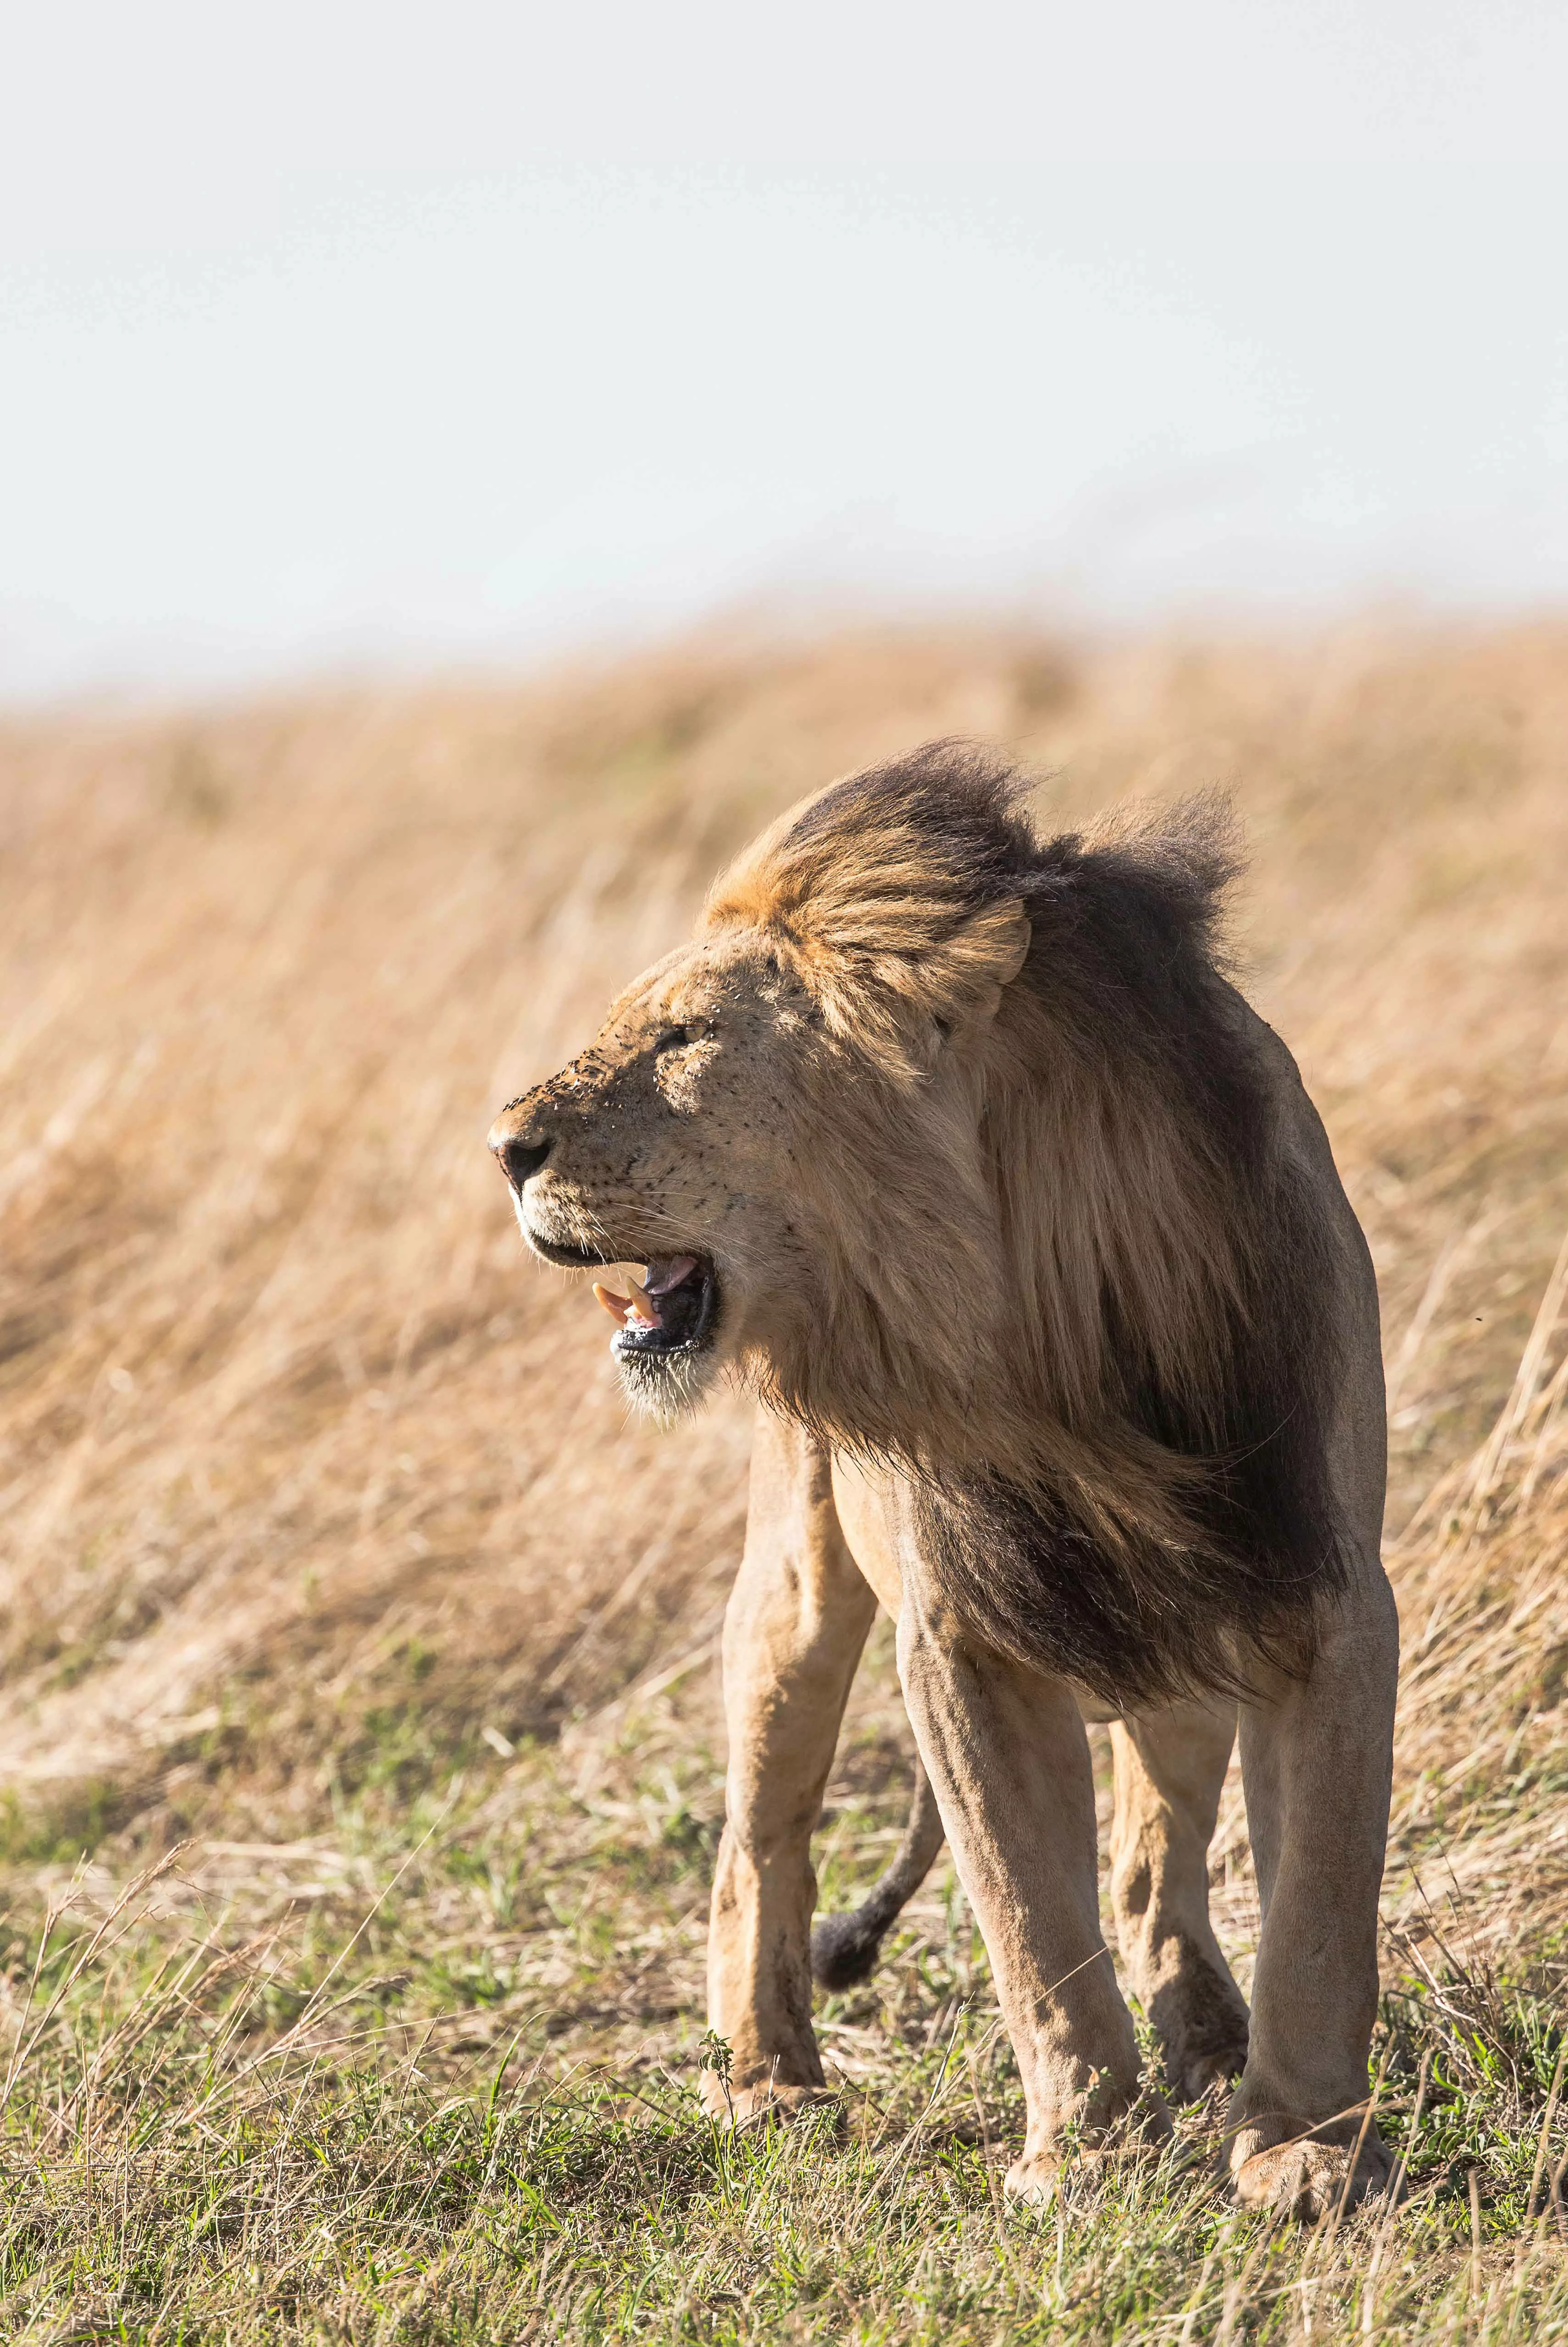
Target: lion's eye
{"x": 673, "y": 1037}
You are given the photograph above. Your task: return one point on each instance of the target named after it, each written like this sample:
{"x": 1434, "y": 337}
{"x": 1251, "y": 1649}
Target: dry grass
{"x": 315, "y": 1499}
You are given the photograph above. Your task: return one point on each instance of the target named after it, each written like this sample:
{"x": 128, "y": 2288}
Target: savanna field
{"x": 360, "y": 1749}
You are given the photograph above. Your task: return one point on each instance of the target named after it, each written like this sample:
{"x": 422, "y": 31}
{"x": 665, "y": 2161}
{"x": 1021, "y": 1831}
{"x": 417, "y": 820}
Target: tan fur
{"x": 967, "y": 1214}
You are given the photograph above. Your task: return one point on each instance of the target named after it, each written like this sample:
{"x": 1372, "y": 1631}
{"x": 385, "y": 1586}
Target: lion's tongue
{"x": 668, "y": 1273}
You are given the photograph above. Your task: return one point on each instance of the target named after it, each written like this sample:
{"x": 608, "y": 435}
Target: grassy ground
{"x": 439, "y": 2086}
{"x": 361, "y": 1759}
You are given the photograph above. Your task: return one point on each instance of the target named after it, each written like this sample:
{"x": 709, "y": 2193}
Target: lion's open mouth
{"x": 673, "y": 1313}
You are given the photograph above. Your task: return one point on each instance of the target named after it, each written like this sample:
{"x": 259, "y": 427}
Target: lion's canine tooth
{"x": 616, "y": 1305}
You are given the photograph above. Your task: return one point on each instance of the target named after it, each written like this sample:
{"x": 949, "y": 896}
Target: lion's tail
{"x": 844, "y": 1948}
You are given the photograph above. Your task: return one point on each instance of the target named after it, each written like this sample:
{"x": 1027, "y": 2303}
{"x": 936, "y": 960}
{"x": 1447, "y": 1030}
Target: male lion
{"x": 956, "y": 1145}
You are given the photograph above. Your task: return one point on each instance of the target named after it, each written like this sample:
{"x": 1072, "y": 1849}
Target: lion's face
{"x": 670, "y": 1143}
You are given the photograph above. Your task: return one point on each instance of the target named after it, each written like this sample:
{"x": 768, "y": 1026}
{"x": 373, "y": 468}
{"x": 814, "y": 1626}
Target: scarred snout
{"x": 561, "y": 1123}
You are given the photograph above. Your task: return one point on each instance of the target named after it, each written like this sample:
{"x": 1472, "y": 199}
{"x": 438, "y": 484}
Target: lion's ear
{"x": 903, "y": 999}
{"x": 966, "y": 974}
{"x": 948, "y": 992}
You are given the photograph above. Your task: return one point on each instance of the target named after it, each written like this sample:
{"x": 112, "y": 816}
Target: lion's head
{"x": 779, "y": 1119}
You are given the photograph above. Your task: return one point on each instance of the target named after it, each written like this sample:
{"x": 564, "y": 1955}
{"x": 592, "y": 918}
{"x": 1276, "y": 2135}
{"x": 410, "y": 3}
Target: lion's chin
{"x": 674, "y": 1387}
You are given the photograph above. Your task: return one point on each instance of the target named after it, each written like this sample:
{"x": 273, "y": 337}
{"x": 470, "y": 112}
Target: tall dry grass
{"x": 291, "y": 1436}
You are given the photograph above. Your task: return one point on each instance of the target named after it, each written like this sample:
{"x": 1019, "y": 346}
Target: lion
{"x": 959, "y": 1149}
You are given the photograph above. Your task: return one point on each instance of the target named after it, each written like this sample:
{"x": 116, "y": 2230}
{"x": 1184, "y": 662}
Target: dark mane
{"x": 1153, "y": 1512}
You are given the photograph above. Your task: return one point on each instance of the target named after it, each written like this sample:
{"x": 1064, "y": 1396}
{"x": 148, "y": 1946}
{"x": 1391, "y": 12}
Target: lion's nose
{"x": 519, "y": 1158}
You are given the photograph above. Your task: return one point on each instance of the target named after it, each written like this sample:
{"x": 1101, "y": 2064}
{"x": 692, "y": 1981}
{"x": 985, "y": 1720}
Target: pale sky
{"x": 338, "y": 338}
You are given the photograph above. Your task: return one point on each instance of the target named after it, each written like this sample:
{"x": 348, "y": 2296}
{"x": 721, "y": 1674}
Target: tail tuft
{"x": 845, "y": 1948}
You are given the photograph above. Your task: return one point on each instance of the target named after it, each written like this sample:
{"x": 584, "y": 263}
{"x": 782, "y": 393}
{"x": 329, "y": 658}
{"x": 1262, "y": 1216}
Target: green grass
{"x": 439, "y": 2084}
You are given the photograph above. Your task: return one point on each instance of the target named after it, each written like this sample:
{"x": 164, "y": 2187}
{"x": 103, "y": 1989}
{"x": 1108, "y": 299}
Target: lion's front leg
{"x": 796, "y": 1622}
{"x": 1007, "y": 1754}
{"x": 1318, "y": 1765}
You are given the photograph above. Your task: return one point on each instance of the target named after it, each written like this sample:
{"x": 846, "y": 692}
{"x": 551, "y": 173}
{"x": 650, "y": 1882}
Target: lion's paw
{"x": 1040, "y": 2176}
{"x": 1309, "y": 2180}
{"x": 1034, "y": 2179}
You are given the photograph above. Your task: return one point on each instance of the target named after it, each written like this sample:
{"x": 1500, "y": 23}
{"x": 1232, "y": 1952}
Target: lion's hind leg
{"x": 1169, "y": 1770}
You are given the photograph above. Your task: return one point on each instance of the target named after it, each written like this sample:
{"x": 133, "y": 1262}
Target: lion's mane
{"x": 1068, "y": 1272}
